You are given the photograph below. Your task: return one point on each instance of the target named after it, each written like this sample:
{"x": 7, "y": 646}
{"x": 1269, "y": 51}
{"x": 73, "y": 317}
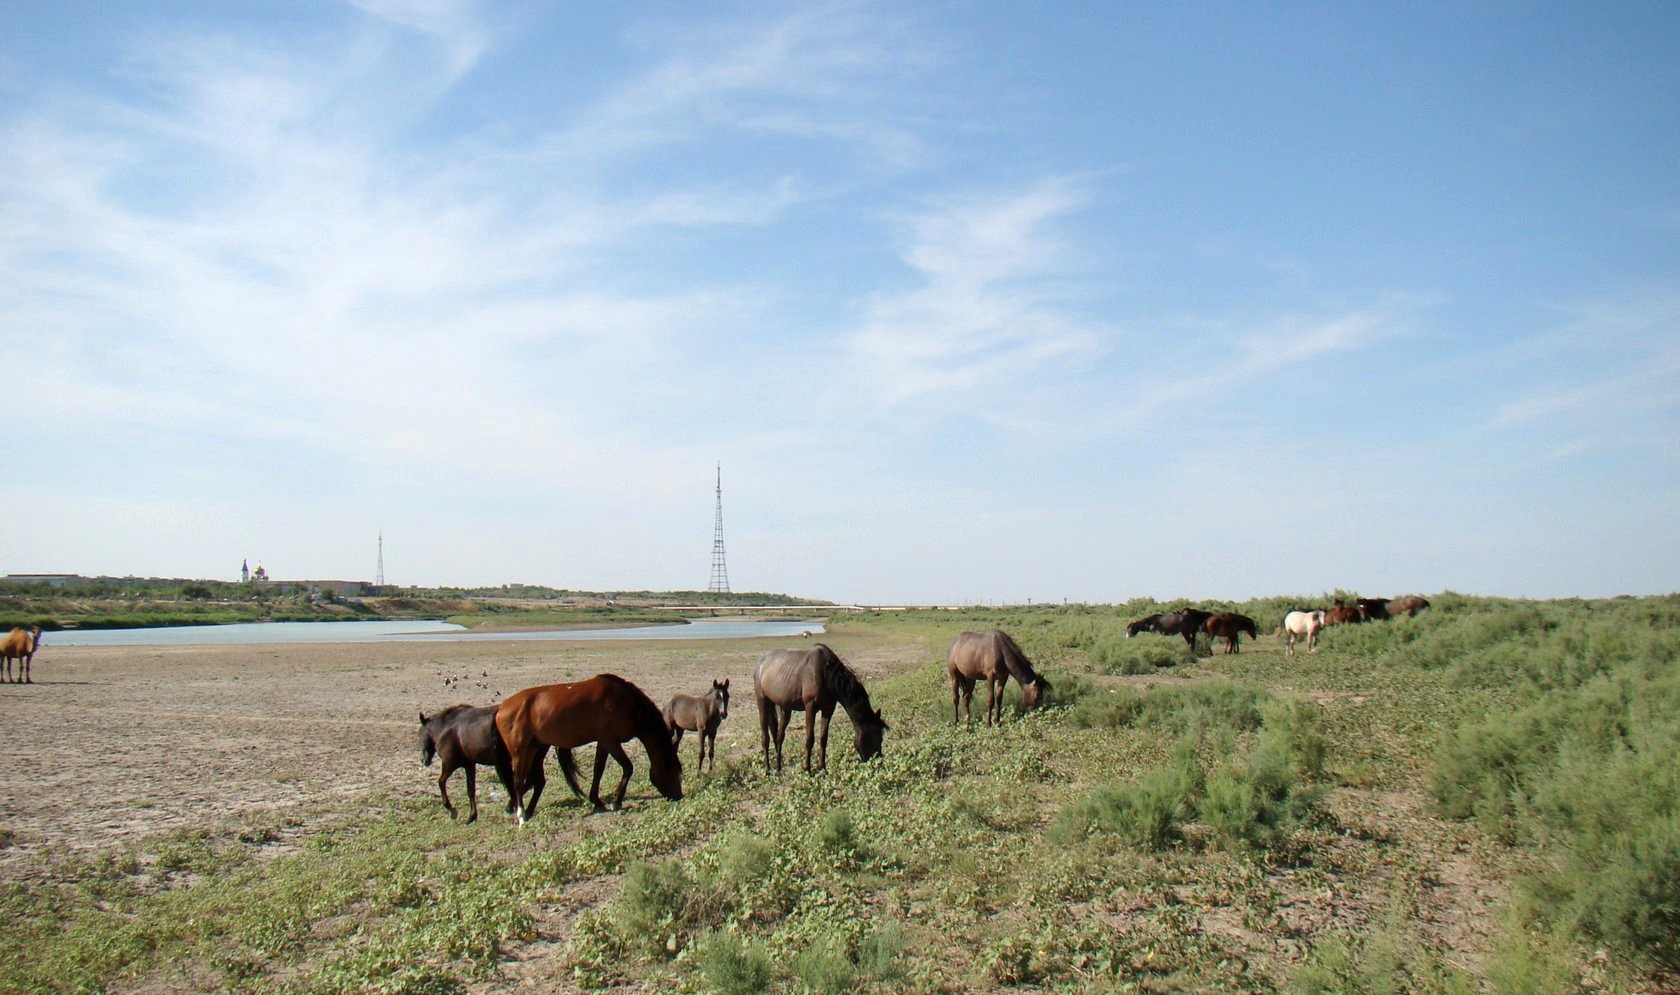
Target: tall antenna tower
{"x": 720, "y": 572}
{"x": 379, "y": 580}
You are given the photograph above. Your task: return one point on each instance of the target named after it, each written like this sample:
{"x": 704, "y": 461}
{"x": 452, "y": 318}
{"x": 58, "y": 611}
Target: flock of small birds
{"x": 461, "y": 680}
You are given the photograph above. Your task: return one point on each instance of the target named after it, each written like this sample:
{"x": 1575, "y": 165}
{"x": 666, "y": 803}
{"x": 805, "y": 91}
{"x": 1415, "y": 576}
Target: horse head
{"x": 866, "y": 735}
{"x": 720, "y": 694}
{"x": 665, "y": 771}
{"x": 1033, "y": 692}
{"x": 428, "y": 745}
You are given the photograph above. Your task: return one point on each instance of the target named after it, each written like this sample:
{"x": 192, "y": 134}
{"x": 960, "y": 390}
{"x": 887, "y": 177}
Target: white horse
{"x": 1303, "y": 625}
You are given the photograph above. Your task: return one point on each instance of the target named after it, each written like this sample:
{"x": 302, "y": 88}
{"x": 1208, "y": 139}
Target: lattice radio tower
{"x": 720, "y": 572}
{"x": 380, "y": 578}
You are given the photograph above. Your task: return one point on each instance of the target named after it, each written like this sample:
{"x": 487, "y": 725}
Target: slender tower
{"x": 379, "y": 577}
{"x": 720, "y": 572}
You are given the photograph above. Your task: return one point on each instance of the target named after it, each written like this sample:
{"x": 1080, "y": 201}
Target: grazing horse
{"x": 1187, "y": 623}
{"x": 1339, "y": 613}
{"x": 702, "y": 713}
{"x": 994, "y": 658}
{"x": 1408, "y": 606}
{"x": 1227, "y": 626}
{"x": 1374, "y": 609}
{"x": 812, "y": 681}
{"x": 606, "y": 710}
{"x": 464, "y": 736}
{"x": 20, "y": 645}
{"x": 1303, "y": 625}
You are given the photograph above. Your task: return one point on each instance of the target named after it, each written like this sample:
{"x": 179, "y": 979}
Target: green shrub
{"x": 1119, "y": 655}
{"x": 1149, "y": 811}
{"x": 732, "y": 965}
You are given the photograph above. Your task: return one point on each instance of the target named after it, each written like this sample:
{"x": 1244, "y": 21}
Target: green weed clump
{"x": 1258, "y": 798}
{"x": 1580, "y": 765}
{"x": 1119, "y": 655}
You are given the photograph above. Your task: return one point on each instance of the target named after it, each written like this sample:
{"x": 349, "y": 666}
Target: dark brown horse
{"x": 1374, "y": 609}
{"x": 812, "y": 681}
{"x": 994, "y": 658}
{"x": 1187, "y": 623}
{"x": 20, "y": 645}
{"x": 1408, "y": 606}
{"x": 464, "y": 736}
{"x": 1228, "y": 625}
{"x": 605, "y": 709}
{"x": 702, "y": 713}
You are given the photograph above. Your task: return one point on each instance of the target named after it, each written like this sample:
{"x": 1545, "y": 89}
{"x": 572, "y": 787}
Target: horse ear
{"x": 422, "y": 718}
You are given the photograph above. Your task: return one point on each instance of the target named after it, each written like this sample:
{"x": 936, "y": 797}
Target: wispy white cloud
{"x": 453, "y": 24}
{"x": 1612, "y": 363}
{"x": 988, "y": 304}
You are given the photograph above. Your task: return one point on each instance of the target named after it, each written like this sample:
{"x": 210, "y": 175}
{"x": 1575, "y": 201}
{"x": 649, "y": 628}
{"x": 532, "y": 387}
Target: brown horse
{"x": 605, "y": 709}
{"x": 994, "y": 658}
{"x": 20, "y": 645}
{"x": 702, "y": 713}
{"x": 1408, "y": 606}
{"x": 812, "y": 681}
{"x": 1227, "y": 626}
{"x": 1343, "y": 614}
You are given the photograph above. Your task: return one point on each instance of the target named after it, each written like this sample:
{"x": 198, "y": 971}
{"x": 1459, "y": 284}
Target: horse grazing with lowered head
{"x": 812, "y": 681}
{"x": 1343, "y": 614}
{"x": 606, "y": 710}
{"x": 1303, "y": 625}
{"x": 1408, "y": 606}
{"x": 1187, "y": 623}
{"x": 20, "y": 645}
{"x": 994, "y": 658}
{"x": 1374, "y": 609}
{"x": 464, "y": 736}
{"x": 1227, "y": 626}
{"x": 702, "y": 713}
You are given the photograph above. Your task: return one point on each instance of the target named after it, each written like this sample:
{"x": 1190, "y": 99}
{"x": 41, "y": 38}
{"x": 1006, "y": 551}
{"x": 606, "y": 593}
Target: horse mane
{"x": 848, "y": 690}
{"x": 447, "y": 713}
{"x": 649, "y": 718}
{"x": 1019, "y": 666}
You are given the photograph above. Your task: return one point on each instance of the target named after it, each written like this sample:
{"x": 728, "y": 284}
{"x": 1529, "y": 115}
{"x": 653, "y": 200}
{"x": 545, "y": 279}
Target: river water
{"x": 406, "y": 631}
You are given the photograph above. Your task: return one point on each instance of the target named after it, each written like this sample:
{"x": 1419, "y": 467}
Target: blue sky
{"x": 972, "y": 301}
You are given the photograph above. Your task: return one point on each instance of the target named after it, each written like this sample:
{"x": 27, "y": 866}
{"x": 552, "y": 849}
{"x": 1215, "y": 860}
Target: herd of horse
{"x": 1302, "y": 624}
{"x": 515, "y": 736}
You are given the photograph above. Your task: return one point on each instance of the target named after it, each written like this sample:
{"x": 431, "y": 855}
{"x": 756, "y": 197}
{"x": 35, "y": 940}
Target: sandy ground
{"x": 116, "y": 744}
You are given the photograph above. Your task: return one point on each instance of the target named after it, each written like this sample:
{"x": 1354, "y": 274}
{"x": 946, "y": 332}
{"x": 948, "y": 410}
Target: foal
{"x": 464, "y": 736}
{"x": 700, "y": 713}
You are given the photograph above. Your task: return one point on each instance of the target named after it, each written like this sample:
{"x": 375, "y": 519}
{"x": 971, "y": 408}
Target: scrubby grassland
{"x": 1482, "y": 798}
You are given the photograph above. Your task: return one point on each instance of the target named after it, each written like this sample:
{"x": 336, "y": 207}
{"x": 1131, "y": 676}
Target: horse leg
{"x": 539, "y": 780}
{"x": 617, "y": 753}
{"x": 595, "y": 785}
{"x": 811, "y": 734}
{"x": 472, "y": 792}
{"x": 676, "y": 735}
{"x": 766, "y": 718}
{"x": 504, "y": 771}
{"x": 826, "y": 717}
{"x": 784, "y": 718}
{"x": 443, "y": 788}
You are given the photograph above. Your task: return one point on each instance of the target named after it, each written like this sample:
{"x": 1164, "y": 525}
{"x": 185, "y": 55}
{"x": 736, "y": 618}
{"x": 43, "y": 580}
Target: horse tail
{"x": 568, "y": 767}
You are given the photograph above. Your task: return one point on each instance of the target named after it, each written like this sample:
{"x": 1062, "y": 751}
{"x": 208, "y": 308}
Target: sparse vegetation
{"x": 1246, "y": 823}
